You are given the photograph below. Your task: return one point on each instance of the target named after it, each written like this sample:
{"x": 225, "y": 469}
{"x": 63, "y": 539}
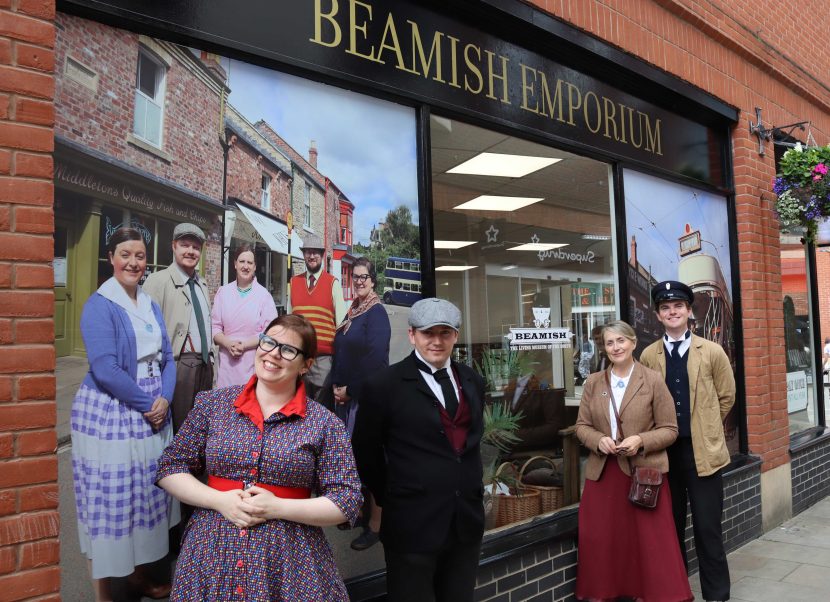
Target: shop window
{"x": 530, "y": 248}
{"x": 265, "y": 196}
{"x": 149, "y": 98}
{"x": 307, "y": 206}
{"x": 677, "y": 232}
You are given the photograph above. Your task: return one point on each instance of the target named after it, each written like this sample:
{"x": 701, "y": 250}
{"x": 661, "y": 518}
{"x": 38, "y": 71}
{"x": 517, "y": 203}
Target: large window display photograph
{"x": 676, "y": 232}
{"x": 524, "y": 246}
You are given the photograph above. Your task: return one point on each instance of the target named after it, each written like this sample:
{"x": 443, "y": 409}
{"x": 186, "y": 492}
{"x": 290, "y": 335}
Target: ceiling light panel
{"x": 489, "y": 202}
{"x": 538, "y": 246}
{"x": 454, "y": 268}
{"x": 502, "y": 165}
{"x": 453, "y": 244}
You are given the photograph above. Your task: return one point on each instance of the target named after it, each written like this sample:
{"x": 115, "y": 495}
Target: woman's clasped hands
{"x": 248, "y": 508}
{"x": 627, "y": 447}
{"x": 158, "y": 413}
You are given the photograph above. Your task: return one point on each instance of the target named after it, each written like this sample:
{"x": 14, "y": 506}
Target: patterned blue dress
{"x": 277, "y": 560}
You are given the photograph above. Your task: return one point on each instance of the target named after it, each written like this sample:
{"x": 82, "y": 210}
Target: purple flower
{"x": 821, "y": 168}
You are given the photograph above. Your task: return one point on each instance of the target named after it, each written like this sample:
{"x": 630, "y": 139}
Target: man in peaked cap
{"x": 318, "y": 296}
{"x": 701, "y": 381}
{"x": 416, "y": 442}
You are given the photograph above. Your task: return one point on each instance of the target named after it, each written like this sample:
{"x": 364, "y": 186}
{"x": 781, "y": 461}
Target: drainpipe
{"x": 326, "y": 220}
{"x": 226, "y": 147}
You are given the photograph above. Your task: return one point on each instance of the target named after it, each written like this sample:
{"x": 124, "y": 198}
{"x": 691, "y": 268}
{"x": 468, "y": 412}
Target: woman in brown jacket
{"x": 626, "y": 550}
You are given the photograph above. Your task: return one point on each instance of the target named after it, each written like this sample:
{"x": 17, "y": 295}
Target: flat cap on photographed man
{"x": 188, "y": 230}
{"x": 672, "y": 290}
{"x": 312, "y": 241}
{"x": 427, "y": 313}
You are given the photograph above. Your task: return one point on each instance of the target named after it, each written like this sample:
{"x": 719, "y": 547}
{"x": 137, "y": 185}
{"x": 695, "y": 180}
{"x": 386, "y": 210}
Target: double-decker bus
{"x": 403, "y": 281}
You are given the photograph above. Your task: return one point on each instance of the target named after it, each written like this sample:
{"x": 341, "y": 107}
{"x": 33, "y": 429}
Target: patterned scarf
{"x": 358, "y": 308}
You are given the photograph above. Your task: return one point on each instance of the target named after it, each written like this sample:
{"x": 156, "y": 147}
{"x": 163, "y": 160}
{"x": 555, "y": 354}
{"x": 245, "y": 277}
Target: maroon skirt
{"x": 625, "y": 550}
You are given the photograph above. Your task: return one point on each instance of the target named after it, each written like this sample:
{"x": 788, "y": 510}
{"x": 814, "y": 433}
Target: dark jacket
{"x": 406, "y": 460}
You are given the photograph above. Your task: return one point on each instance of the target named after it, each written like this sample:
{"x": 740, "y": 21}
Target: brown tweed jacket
{"x": 647, "y": 410}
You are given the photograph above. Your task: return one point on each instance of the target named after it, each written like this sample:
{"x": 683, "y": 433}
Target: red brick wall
{"x": 102, "y": 120}
{"x": 28, "y": 463}
{"x": 245, "y": 179}
{"x": 747, "y": 54}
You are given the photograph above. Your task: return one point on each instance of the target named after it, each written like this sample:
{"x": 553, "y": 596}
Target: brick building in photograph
{"x": 139, "y": 135}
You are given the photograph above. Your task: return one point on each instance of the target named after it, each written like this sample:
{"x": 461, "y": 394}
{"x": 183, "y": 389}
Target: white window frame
{"x": 307, "y": 206}
{"x": 265, "y": 197}
{"x": 157, "y": 101}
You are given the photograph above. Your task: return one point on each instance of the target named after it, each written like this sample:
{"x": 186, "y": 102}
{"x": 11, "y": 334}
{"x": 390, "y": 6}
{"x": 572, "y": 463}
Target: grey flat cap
{"x": 427, "y": 313}
{"x": 312, "y": 241}
{"x": 186, "y": 229}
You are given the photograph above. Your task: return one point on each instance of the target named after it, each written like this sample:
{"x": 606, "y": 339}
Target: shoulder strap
{"x": 620, "y": 435}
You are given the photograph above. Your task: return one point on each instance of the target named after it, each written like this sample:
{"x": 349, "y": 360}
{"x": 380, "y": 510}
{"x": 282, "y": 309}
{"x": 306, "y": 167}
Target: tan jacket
{"x": 711, "y": 394}
{"x": 169, "y": 289}
{"x": 647, "y": 410}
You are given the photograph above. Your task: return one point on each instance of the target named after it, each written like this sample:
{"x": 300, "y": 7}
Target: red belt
{"x": 294, "y": 493}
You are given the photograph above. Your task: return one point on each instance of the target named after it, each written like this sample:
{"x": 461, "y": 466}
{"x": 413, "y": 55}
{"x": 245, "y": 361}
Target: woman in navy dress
{"x": 279, "y": 467}
{"x": 361, "y": 349}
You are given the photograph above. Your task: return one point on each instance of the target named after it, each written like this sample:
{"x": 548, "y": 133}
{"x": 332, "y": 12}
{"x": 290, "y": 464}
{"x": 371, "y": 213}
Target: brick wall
{"x": 543, "y": 573}
{"x": 28, "y": 463}
{"x": 823, "y": 289}
{"x": 724, "y": 48}
{"x": 102, "y": 119}
{"x": 810, "y": 467}
{"x": 245, "y": 179}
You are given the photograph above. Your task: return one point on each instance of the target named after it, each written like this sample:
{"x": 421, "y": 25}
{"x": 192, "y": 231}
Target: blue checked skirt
{"x": 123, "y": 518}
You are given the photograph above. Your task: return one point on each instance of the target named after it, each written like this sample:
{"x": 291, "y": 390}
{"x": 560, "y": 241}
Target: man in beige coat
{"x": 188, "y": 323}
{"x": 702, "y": 384}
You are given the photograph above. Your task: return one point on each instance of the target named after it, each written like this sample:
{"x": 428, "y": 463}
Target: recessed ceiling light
{"x": 509, "y": 266}
{"x": 538, "y": 246}
{"x": 502, "y": 165}
{"x": 453, "y": 244}
{"x": 454, "y": 268}
{"x": 488, "y": 202}
{"x": 596, "y": 237}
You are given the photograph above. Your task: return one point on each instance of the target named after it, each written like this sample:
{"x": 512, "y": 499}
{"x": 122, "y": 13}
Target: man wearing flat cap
{"x": 183, "y": 298}
{"x": 416, "y": 442}
{"x": 702, "y": 383}
{"x": 318, "y": 296}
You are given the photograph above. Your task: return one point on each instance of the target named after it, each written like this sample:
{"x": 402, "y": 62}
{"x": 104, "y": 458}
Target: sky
{"x": 366, "y": 146}
{"x": 657, "y": 212}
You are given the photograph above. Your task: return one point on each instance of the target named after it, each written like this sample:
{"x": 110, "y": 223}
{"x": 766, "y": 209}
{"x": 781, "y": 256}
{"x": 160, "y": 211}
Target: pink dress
{"x": 240, "y": 317}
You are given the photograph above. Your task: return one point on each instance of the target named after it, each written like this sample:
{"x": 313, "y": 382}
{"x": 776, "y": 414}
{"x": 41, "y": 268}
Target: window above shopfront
{"x": 149, "y": 98}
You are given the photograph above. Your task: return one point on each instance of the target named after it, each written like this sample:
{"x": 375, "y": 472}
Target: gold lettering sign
{"x": 362, "y": 29}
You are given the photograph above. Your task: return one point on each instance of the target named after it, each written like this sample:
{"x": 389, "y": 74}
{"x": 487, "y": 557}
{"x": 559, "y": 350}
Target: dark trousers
{"x": 705, "y": 495}
{"x": 447, "y": 575}
{"x": 192, "y": 375}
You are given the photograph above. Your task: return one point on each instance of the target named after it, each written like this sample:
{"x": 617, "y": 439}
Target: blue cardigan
{"x": 111, "y": 349}
{"x": 362, "y": 352}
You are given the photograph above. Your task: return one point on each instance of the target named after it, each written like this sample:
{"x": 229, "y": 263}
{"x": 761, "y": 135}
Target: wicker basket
{"x": 522, "y": 504}
{"x": 551, "y": 498}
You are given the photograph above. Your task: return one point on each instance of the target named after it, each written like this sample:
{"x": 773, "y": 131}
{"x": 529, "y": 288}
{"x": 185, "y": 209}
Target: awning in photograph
{"x": 273, "y": 232}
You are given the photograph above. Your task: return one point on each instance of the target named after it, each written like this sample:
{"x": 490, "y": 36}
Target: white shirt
{"x": 684, "y": 345}
{"x": 145, "y": 325}
{"x": 618, "y": 387}
{"x": 433, "y": 384}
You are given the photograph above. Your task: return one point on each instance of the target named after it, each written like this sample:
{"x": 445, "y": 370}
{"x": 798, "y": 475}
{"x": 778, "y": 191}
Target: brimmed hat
{"x": 186, "y": 229}
{"x": 671, "y": 290}
{"x": 312, "y": 241}
{"x": 427, "y": 313}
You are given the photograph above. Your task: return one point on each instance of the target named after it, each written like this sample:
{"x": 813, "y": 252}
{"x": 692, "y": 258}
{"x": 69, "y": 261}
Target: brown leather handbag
{"x": 645, "y": 480}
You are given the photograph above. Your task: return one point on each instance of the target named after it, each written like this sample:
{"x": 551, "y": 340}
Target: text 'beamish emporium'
{"x": 357, "y": 29}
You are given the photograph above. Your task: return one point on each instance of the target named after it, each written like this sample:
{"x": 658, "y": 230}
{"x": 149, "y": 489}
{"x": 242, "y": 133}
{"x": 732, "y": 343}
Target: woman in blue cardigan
{"x": 120, "y": 425}
{"x": 361, "y": 349}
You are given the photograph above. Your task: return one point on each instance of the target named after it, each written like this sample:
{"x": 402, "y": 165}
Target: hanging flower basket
{"x": 803, "y": 189}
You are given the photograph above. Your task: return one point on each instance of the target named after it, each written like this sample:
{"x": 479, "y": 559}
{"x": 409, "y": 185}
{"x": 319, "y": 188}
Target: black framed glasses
{"x": 360, "y": 277}
{"x": 288, "y": 352}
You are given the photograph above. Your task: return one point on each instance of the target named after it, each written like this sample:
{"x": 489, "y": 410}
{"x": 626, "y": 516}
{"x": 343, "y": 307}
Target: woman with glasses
{"x": 279, "y": 468}
{"x": 361, "y": 349}
{"x": 241, "y": 310}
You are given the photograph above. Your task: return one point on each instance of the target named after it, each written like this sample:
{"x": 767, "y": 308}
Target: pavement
{"x": 790, "y": 563}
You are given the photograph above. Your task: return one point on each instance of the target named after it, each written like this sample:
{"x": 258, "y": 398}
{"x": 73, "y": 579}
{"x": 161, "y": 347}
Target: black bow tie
{"x": 442, "y": 377}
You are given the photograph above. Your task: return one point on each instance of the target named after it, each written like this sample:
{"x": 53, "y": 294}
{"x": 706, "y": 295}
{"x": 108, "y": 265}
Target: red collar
{"x": 248, "y": 405}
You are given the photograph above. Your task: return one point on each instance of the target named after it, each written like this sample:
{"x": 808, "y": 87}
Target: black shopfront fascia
{"x": 503, "y": 65}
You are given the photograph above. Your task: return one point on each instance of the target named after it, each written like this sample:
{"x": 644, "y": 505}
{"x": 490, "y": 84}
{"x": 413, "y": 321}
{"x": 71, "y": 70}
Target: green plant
{"x": 500, "y": 365}
{"x": 500, "y": 426}
{"x": 803, "y": 188}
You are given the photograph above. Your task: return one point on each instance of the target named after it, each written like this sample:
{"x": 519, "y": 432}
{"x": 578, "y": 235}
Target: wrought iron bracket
{"x": 764, "y": 134}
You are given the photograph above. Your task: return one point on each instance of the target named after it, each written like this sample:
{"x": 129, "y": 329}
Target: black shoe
{"x": 365, "y": 540}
